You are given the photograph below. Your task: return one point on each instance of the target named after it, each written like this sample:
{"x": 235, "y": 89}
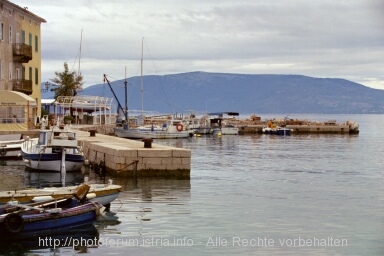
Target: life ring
{"x": 179, "y": 127}
{"x": 13, "y": 223}
{"x": 3, "y": 152}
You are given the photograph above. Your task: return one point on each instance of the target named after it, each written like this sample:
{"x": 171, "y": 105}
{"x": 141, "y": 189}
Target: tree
{"x": 66, "y": 84}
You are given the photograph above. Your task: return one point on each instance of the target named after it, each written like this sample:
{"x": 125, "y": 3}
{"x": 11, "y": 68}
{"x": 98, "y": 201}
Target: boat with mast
{"x": 171, "y": 129}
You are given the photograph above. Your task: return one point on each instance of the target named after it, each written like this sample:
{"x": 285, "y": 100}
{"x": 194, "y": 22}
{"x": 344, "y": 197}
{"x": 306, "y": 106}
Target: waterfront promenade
{"x": 124, "y": 157}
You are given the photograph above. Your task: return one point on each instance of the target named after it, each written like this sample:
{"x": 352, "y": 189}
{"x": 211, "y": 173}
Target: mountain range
{"x": 203, "y": 92}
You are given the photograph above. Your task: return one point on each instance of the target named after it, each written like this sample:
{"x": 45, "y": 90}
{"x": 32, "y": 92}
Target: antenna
{"x": 142, "y": 97}
{"x": 126, "y": 100}
{"x": 81, "y": 41}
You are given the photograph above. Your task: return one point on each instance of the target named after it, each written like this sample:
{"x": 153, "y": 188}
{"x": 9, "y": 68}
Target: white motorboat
{"x": 55, "y": 150}
{"x": 221, "y": 125}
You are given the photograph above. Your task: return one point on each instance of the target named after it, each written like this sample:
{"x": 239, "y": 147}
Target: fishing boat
{"x": 199, "y": 126}
{"x": 171, "y": 129}
{"x": 102, "y": 193}
{"x": 273, "y": 128}
{"x": 222, "y": 125}
{"x": 59, "y": 213}
{"x": 55, "y": 150}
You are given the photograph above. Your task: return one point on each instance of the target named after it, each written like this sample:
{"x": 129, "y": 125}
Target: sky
{"x": 323, "y": 38}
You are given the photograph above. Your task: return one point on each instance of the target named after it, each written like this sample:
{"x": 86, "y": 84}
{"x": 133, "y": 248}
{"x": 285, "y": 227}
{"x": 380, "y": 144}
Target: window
{"x": 23, "y": 36}
{"x": 2, "y": 70}
{"x": 23, "y": 73}
{"x": 36, "y": 76}
{"x": 36, "y": 44}
{"x": 30, "y": 74}
{"x": 2, "y": 31}
{"x": 10, "y": 34}
{"x": 10, "y": 71}
{"x": 30, "y": 39}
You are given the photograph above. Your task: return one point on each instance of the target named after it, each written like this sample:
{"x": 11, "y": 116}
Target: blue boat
{"x": 54, "y": 214}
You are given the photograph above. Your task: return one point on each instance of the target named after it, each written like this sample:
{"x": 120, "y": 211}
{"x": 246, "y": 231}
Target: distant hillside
{"x": 278, "y": 94}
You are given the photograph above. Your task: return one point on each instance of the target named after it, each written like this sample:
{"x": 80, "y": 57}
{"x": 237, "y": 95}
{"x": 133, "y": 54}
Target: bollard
{"x": 147, "y": 142}
{"x": 92, "y": 133}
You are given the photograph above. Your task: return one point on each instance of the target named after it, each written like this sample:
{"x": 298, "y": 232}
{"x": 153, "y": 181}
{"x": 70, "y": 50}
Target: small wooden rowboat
{"x": 102, "y": 193}
{"x": 69, "y": 211}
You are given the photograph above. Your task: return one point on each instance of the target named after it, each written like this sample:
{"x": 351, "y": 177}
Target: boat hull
{"x": 229, "y": 131}
{"x": 283, "y": 132}
{"x": 32, "y": 220}
{"x": 52, "y": 161}
{"x": 10, "y": 151}
{"x": 277, "y": 131}
{"x": 137, "y": 134}
{"x": 203, "y": 130}
{"x": 10, "y": 145}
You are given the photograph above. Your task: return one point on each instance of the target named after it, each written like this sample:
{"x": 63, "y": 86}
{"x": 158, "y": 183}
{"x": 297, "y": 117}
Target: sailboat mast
{"x": 141, "y": 82}
{"x": 81, "y": 41}
{"x": 126, "y": 98}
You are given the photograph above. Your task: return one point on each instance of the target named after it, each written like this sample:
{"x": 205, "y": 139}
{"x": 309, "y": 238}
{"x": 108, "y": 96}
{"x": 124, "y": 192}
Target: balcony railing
{"x": 22, "y": 85}
{"x": 22, "y": 53}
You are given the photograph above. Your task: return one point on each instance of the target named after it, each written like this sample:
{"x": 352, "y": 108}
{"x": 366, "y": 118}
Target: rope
{"x": 126, "y": 166}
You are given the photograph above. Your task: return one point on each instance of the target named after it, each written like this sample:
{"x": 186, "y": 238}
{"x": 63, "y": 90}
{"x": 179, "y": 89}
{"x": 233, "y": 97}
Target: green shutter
{"x": 36, "y": 44}
{"x": 36, "y": 76}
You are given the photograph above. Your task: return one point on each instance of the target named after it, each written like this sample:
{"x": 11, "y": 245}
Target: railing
{"x": 22, "y": 85}
{"x": 30, "y": 144}
{"x": 12, "y": 120}
{"x": 22, "y": 53}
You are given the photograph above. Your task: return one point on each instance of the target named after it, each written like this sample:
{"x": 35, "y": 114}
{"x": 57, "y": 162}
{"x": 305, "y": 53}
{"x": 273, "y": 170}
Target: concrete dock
{"x": 124, "y": 157}
{"x": 129, "y": 157}
{"x": 299, "y": 129}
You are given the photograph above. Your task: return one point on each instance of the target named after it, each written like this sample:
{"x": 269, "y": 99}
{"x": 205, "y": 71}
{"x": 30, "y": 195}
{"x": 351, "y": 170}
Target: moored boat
{"x": 222, "y": 125}
{"x": 278, "y": 130}
{"x": 172, "y": 129}
{"x": 66, "y": 212}
{"x": 55, "y": 150}
{"x": 10, "y": 145}
{"x": 102, "y": 193}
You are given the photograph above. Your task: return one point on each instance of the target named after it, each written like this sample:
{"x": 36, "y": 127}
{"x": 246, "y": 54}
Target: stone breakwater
{"x": 255, "y": 125}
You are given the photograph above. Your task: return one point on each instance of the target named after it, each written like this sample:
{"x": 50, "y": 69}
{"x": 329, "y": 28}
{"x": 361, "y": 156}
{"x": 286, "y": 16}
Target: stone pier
{"x": 129, "y": 157}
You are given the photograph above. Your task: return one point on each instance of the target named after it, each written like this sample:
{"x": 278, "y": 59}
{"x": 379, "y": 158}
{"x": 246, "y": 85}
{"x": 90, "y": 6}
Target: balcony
{"x": 22, "y": 53}
{"x": 22, "y": 85}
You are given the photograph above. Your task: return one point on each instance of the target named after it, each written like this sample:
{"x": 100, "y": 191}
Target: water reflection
{"x": 47, "y": 179}
{"x": 146, "y": 204}
{"x": 79, "y": 239}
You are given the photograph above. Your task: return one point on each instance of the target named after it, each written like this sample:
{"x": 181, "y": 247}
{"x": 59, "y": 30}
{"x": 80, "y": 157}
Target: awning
{"x": 12, "y": 98}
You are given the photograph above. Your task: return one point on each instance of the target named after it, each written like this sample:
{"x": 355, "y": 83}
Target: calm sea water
{"x": 247, "y": 195}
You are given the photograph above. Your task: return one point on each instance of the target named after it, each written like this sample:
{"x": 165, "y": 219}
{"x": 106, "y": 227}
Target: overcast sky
{"x": 322, "y": 38}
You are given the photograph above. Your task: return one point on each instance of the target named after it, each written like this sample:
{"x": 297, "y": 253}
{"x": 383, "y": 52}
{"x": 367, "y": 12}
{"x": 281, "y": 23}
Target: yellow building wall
{"x": 19, "y": 19}
{"x": 33, "y": 28}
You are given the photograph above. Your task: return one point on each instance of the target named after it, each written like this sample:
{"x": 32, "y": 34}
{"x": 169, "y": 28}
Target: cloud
{"x": 316, "y": 38}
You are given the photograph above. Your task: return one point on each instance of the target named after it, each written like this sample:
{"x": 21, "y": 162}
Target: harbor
{"x": 104, "y": 151}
